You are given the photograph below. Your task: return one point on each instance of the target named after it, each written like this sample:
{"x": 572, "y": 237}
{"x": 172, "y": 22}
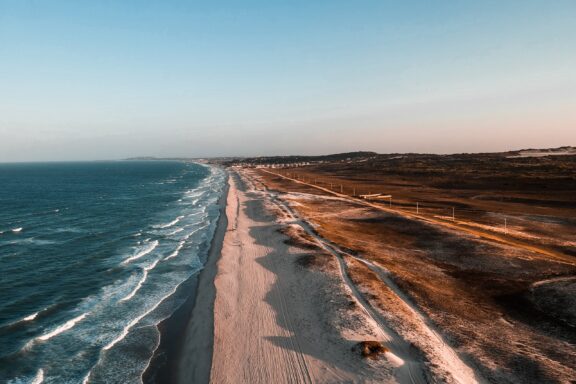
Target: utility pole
{"x": 417, "y": 209}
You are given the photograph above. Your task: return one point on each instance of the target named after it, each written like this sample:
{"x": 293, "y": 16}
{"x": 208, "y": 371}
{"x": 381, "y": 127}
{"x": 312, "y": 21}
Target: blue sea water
{"x": 91, "y": 256}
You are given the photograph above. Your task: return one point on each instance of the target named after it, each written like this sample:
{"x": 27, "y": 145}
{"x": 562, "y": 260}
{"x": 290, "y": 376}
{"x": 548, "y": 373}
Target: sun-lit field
{"x": 496, "y": 276}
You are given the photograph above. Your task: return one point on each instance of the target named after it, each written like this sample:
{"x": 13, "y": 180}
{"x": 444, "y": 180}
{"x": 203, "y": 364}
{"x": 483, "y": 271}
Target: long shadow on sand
{"x": 304, "y": 314}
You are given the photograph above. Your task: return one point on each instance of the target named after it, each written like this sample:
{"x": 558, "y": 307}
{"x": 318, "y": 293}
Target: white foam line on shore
{"x": 66, "y": 326}
{"x": 16, "y": 230}
{"x": 142, "y": 280}
{"x": 143, "y": 252}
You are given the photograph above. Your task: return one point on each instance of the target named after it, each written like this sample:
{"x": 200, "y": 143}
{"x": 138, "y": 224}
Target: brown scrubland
{"x": 497, "y": 281}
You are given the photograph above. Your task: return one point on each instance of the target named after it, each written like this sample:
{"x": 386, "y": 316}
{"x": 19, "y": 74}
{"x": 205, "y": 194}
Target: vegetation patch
{"x": 370, "y": 349}
{"x": 313, "y": 261}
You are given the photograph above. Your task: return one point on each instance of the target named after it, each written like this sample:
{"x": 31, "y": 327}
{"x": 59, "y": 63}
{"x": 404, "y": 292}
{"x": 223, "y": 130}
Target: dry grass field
{"x": 505, "y": 297}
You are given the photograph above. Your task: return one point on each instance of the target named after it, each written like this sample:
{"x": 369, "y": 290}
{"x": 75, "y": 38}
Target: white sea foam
{"x": 16, "y": 230}
{"x": 135, "y": 321}
{"x": 32, "y": 240}
{"x": 64, "y": 327}
{"x": 39, "y": 378}
{"x": 194, "y": 193}
{"x": 31, "y": 317}
{"x": 173, "y": 222}
{"x": 86, "y": 378}
{"x": 152, "y": 265}
{"x": 138, "y": 286}
{"x": 127, "y": 328}
{"x": 143, "y": 252}
{"x": 176, "y": 251}
{"x": 142, "y": 280}
{"x": 194, "y": 231}
{"x": 175, "y": 231}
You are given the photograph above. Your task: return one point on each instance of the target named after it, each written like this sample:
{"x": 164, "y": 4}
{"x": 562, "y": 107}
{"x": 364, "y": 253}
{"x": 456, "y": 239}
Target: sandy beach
{"x": 278, "y": 306}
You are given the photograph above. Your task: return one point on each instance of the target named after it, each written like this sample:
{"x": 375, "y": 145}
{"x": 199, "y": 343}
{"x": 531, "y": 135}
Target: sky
{"x": 111, "y": 79}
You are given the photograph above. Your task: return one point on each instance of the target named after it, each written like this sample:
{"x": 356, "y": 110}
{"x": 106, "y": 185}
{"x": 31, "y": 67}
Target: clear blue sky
{"x": 112, "y": 79}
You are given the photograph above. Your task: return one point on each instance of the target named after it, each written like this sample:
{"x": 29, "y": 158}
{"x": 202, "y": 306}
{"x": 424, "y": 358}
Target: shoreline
{"x": 165, "y": 363}
{"x": 194, "y": 360}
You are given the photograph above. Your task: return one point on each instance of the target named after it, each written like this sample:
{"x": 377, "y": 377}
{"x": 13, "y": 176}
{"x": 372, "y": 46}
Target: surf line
{"x": 149, "y": 248}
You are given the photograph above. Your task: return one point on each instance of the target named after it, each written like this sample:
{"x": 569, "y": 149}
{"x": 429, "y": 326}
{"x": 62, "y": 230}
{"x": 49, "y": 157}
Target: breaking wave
{"x": 63, "y": 328}
{"x": 143, "y": 252}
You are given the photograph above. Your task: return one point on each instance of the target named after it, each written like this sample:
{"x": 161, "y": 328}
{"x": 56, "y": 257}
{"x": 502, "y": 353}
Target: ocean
{"x": 91, "y": 258}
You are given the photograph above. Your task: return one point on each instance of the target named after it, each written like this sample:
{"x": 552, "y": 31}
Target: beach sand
{"x": 260, "y": 317}
{"x": 278, "y": 306}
